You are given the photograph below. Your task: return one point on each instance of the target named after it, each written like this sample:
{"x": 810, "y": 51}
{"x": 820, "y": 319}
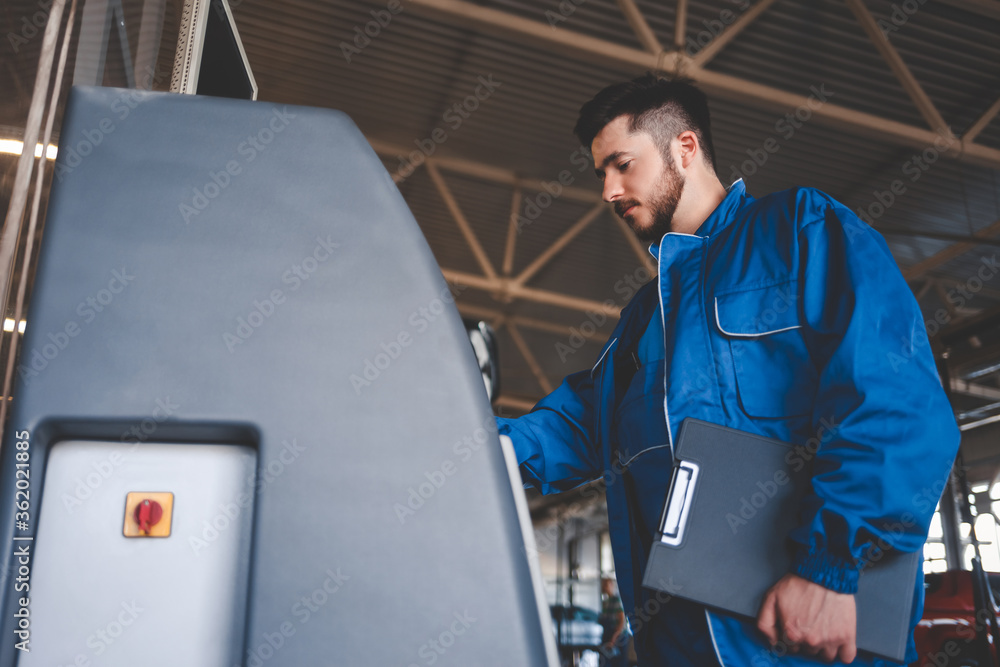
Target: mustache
{"x": 623, "y": 205}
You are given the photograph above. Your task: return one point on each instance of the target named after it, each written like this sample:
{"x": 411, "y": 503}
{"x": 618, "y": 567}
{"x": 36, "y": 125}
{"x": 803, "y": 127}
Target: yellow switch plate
{"x": 162, "y": 528}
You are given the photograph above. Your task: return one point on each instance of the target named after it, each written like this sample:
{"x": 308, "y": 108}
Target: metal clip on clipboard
{"x": 680, "y": 495}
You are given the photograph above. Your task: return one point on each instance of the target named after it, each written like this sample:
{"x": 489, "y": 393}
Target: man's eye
{"x": 624, "y": 165}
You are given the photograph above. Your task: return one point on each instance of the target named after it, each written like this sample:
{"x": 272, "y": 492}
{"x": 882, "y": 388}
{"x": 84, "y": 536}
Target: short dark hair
{"x": 663, "y": 108}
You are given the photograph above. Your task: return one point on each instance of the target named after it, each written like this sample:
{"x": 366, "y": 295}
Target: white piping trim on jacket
{"x": 718, "y": 323}
{"x": 711, "y": 633}
{"x": 635, "y": 456}
{"x": 611, "y": 344}
{"x": 663, "y": 320}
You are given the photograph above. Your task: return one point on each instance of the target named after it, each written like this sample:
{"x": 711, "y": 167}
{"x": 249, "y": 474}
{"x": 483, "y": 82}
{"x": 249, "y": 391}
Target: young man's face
{"x": 643, "y": 187}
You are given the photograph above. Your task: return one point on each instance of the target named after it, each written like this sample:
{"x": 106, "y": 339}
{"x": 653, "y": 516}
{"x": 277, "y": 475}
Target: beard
{"x": 662, "y": 205}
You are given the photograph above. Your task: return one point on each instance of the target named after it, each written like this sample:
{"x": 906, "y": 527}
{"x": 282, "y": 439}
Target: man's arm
{"x": 555, "y": 442}
{"x": 888, "y": 437}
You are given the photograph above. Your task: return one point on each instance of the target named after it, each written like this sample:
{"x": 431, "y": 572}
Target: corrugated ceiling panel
{"x": 401, "y": 86}
{"x": 802, "y": 46}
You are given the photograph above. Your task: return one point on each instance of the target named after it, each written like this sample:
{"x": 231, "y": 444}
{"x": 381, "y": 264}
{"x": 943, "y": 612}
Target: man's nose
{"x": 612, "y": 188}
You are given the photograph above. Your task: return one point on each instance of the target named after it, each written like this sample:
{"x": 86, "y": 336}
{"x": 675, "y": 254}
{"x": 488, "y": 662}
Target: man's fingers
{"x": 767, "y": 619}
{"x": 848, "y": 651}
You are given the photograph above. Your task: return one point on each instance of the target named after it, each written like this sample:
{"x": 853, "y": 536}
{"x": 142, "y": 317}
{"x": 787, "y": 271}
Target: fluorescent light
{"x": 15, "y": 147}
{"x": 8, "y": 325}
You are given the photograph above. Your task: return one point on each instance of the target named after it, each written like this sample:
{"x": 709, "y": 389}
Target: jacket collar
{"x": 720, "y": 217}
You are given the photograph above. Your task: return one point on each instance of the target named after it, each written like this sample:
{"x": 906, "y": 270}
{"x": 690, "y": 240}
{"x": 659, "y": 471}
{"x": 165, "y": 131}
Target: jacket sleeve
{"x": 555, "y": 441}
{"x": 885, "y": 433}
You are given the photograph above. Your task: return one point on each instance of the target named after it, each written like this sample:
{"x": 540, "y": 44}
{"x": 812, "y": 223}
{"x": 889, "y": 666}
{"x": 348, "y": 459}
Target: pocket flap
{"x": 758, "y": 312}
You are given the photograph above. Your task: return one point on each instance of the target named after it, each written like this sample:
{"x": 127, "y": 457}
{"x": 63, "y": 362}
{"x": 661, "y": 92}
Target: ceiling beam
{"x": 680, "y": 24}
{"x": 579, "y": 46}
{"x": 533, "y": 364}
{"x": 714, "y": 47}
{"x": 892, "y": 58}
{"x": 515, "y": 402}
{"x": 560, "y": 243}
{"x": 640, "y": 252}
{"x": 462, "y": 222}
{"x": 640, "y": 26}
{"x": 507, "y": 288}
{"x": 512, "y": 231}
{"x": 982, "y": 122}
{"x": 492, "y": 315}
{"x": 948, "y": 254}
{"x": 483, "y": 171}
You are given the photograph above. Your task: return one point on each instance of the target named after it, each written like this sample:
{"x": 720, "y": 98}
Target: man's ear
{"x": 687, "y": 144}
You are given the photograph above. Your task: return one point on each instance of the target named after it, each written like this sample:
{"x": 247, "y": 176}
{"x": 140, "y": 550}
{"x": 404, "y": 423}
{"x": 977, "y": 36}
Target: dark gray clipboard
{"x": 733, "y": 500}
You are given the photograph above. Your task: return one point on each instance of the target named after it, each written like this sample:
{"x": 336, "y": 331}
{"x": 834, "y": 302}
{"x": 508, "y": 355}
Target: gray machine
{"x": 249, "y": 428}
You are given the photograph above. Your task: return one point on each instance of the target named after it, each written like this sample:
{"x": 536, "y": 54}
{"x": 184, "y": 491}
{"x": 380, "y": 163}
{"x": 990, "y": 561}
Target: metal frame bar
{"x": 533, "y": 364}
{"x": 190, "y": 42}
{"x": 496, "y": 319}
{"x": 512, "y": 231}
{"x": 150, "y": 35}
{"x": 898, "y": 67}
{"x": 640, "y": 26}
{"x": 483, "y": 171}
{"x": 714, "y": 47}
{"x": 579, "y": 46}
{"x": 92, "y": 44}
{"x": 982, "y": 122}
{"x": 507, "y": 288}
{"x": 641, "y": 253}
{"x": 517, "y": 403}
{"x": 118, "y": 16}
{"x": 462, "y": 222}
{"x": 948, "y": 254}
{"x": 560, "y": 243}
{"x": 680, "y": 24}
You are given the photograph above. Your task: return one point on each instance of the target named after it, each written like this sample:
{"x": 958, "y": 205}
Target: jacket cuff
{"x": 821, "y": 567}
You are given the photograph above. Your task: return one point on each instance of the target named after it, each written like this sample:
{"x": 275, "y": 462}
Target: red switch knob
{"x": 147, "y": 514}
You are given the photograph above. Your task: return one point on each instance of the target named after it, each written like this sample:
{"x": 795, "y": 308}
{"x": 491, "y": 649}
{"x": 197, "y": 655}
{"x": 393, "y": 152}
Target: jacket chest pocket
{"x": 775, "y": 375}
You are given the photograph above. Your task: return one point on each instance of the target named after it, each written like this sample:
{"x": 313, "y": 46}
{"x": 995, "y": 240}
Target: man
{"x": 784, "y": 316}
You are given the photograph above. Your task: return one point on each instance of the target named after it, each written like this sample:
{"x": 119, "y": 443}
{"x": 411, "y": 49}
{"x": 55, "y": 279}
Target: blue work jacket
{"x": 784, "y": 316}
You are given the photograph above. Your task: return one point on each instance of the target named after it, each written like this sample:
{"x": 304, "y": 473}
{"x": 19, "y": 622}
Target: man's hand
{"x": 809, "y": 618}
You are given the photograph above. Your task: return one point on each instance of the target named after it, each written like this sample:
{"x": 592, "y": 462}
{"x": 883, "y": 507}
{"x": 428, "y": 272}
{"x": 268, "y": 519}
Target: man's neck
{"x": 701, "y": 196}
